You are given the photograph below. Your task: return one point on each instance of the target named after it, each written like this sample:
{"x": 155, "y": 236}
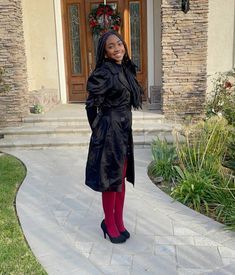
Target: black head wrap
{"x": 128, "y": 66}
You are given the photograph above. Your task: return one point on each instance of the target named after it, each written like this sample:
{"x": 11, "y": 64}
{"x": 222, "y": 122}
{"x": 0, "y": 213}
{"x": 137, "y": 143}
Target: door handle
{"x": 90, "y": 62}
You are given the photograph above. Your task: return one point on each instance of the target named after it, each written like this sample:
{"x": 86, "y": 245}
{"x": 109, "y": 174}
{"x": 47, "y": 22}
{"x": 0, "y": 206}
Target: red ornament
{"x": 100, "y": 11}
{"x": 228, "y": 85}
{"x": 116, "y": 28}
{"x": 93, "y": 23}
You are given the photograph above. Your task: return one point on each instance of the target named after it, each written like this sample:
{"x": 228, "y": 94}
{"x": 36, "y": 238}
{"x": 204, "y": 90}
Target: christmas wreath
{"x": 104, "y": 18}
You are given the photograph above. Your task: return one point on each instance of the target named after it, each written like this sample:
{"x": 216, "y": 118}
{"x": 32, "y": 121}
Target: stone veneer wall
{"x": 13, "y": 103}
{"x": 184, "y": 57}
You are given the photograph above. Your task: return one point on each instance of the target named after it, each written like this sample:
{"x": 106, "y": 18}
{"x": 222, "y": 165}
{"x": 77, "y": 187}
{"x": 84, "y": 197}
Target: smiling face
{"x": 114, "y": 49}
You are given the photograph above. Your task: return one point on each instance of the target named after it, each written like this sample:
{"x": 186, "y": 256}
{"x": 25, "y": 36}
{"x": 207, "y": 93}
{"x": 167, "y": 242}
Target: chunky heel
{"x": 119, "y": 239}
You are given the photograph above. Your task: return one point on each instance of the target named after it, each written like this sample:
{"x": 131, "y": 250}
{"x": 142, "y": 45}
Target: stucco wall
{"x": 157, "y": 43}
{"x": 40, "y": 42}
{"x": 220, "y": 36}
{"x": 221, "y": 41}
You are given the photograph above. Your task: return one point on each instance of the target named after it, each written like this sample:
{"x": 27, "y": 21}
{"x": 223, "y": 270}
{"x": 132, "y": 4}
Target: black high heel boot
{"x": 119, "y": 239}
{"x": 126, "y": 234}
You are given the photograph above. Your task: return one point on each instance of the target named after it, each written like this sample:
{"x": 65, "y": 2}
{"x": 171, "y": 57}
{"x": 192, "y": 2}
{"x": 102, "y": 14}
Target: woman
{"x": 113, "y": 90}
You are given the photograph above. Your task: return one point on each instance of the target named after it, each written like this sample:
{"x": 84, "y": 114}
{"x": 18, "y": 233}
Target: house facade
{"x": 47, "y": 51}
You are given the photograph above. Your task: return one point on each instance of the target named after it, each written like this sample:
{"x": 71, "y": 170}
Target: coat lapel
{"x": 123, "y": 80}
{"x": 121, "y": 75}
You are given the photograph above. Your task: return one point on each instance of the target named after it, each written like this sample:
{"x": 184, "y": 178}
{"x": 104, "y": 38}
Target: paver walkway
{"x": 61, "y": 218}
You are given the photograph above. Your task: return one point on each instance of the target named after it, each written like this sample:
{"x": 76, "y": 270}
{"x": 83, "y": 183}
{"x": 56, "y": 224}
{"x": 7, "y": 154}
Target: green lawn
{"x": 15, "y": 255}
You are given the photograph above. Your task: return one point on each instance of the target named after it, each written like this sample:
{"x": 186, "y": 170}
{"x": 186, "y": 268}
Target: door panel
{"x": 135, "y": 35}
{"x": 80, "y": 44}
{"x": 75, "y": 49}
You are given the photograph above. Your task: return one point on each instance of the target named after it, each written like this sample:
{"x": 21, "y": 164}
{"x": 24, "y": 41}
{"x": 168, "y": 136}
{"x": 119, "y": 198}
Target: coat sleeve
{"x": 99, "y": 82}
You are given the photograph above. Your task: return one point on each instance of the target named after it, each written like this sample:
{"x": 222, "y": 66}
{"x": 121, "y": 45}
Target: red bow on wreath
{"x": 104, "y": 18}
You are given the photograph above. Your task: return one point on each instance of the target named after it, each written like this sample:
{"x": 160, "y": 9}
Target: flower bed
{"x": 200, "y": 172}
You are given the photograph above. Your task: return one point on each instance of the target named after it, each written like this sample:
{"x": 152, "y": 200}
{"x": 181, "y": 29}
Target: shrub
{"x": 203, "y": 183}
{"x": 37, "y": 109}
{"x": 221, "y": 201}
{"x": 192, "y": 188}
{"x": 229, "y": 160}
{"x": 222, "y": 97}
{"x": 164, "y": 160}
{"x": 203, "y": 167}
{"x": 205, "y": 145}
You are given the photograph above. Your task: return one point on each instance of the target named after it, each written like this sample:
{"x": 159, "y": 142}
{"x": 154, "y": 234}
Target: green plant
{"x": 164, "y": 159}
{"x": 205, "y": 145}
{"x": 203, "y": 183}
{"x": 37, "y": 108}
{"x": 3, "y": 86}
{"x": 192, "y": 188}
{"x": 222, "y": 98}
{"x": 229, "y": 160}
{"x": 229, "y": 217}
{"x": 221, "y": 201}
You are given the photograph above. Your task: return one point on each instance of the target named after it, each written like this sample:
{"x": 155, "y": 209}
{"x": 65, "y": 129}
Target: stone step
{"x": 82, "y": 119}
{"x": 39, "y": 142}
{"x": 68, "y": 126}
{"x": 140, "y": 128}
{"x": 83, "y": 122}
{"x": 82, "y": 116}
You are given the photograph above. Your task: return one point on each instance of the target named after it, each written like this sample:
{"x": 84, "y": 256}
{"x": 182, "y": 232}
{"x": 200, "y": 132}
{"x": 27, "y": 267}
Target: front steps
{"x": 43, "y": 131}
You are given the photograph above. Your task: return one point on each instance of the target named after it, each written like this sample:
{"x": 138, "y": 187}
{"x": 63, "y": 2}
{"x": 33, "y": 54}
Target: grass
{"x": 15, "y": 255}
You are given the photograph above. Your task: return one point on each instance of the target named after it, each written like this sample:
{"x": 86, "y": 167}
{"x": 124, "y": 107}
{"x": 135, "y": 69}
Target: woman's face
{"x": 114, "y": 49}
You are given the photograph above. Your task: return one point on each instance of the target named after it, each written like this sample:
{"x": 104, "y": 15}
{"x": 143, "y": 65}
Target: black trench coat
{"x": 109, "y": 115}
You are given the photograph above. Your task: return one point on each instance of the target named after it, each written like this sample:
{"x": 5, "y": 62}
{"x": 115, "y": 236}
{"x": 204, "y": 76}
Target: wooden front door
{"x": 80, "y": 44}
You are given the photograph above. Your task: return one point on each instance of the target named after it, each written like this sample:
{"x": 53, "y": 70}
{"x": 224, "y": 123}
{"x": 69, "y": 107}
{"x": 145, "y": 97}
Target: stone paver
{"x": 61, "y": 218}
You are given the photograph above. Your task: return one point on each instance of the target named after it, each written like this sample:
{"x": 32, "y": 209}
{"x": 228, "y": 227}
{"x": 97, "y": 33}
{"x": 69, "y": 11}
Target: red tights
{"x": 113, "y": 203}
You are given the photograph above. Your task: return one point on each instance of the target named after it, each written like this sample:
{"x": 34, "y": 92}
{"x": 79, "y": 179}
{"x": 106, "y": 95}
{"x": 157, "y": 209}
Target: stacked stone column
{"x": 13, "y": 87}
{"x": 184, "y": 58}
